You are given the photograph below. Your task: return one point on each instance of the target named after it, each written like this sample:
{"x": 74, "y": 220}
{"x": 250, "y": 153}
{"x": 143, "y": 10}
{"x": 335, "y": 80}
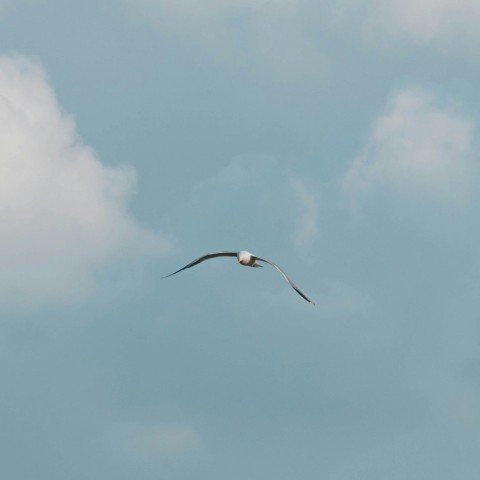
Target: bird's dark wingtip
{"x": 166, "y": 276}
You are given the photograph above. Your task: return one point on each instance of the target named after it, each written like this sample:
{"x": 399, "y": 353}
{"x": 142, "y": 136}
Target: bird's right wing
{"x": 285, "y": 276}
{"x": 208, "y": 256}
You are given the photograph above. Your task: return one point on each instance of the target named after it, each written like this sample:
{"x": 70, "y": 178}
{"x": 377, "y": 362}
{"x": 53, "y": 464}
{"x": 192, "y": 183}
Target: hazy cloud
{"x": 5, "y": 5}
{"x": 244, "y": 202}
{"x": 336, "y": 300}
{"x": 292, "y": 39}
{"x": 307, "y": 225}
{"x": 417, "y": 148}
{"x": 264, "y": 33}
{"x": 63, "y": 213}
{"x": 342, "y": 300}
{"x": 425, "y": 21}
{"x": 139, "y": 442}
{"x": 222, "y": 371}
{"x": 275, "y": 26}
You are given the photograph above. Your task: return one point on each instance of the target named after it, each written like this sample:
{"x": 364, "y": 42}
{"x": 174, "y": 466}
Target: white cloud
{"x": 63, "y": 213}
{"x": 418, "y": 148}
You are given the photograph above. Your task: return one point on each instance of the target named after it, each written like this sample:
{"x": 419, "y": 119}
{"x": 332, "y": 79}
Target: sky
{"x": 338, "y": 139}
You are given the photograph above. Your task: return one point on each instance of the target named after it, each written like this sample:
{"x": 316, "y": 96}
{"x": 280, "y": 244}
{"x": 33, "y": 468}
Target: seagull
{"x": 248, "y": 260}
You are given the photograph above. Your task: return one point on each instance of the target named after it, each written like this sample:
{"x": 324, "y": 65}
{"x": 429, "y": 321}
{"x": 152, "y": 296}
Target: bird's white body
{"x": 245, "y": 258}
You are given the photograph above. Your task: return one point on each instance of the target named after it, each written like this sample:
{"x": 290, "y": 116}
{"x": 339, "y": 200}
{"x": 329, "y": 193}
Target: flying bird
{"x": 248, "y": 260}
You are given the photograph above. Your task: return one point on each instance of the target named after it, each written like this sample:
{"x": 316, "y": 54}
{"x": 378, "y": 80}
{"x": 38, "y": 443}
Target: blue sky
{"x": 339, "y": 139}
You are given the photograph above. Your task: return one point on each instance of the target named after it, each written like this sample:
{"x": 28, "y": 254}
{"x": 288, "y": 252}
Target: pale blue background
{"x": 381, "y": 380}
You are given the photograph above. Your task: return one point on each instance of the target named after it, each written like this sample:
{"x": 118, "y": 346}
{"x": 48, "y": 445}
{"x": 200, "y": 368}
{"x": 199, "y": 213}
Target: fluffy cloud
{"x": 417, "y": 148}
{"x": 63, "y": 213}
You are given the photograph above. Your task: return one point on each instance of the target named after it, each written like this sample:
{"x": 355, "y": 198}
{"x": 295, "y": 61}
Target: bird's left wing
{"x": 285, "y": 276}
{"x": 208, "y": 256}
